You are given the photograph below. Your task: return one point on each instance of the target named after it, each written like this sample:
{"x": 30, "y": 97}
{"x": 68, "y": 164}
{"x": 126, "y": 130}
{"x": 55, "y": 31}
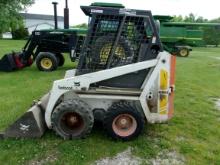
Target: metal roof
{"x": 40, "y": 16}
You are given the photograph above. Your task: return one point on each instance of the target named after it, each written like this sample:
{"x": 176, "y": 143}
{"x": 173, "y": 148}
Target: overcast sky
{"x": 208, "y": 9}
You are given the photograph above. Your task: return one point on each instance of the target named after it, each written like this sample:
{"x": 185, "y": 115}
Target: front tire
{"x": 46, "y": 61}
{"x": 123, "y": 121}
{"x": 183, "y": 52}
{"x": 72, "y": 119}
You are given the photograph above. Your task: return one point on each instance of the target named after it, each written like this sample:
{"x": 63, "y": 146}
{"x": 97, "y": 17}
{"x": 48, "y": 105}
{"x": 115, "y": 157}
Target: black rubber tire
{"x": 118, "y": 109}
{"x": 60, "y": 59}
{"x": 46, "y": 55}
{"x": 186, "y": 52}
{"x": 103, "y": 40}
{"x": 77, "y": 107}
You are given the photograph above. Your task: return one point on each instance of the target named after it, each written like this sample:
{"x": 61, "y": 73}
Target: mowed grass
{"x": 194, "y": 131}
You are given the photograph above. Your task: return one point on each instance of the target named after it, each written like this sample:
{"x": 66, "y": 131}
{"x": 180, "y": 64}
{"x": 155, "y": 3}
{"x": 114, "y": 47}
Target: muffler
{"x": 31, "y": 124}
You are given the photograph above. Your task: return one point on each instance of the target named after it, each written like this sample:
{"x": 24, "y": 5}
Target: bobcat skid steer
{"x": 124, "y": 78}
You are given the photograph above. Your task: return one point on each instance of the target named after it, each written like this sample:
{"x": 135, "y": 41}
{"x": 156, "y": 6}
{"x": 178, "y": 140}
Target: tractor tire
{"x": 72, "y": 119}
{"x": 183, "y": 52}
{"x": 101, "y": 50}
{"x": 60, "y": 59}
{"x": 46, "y": 61}
{"x": 123, "y": 121}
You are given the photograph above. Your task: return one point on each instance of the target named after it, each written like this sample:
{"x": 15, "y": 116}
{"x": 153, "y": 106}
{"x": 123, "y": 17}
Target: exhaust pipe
{"x": 66, "y": 16}
{"x": 55, "y": 14}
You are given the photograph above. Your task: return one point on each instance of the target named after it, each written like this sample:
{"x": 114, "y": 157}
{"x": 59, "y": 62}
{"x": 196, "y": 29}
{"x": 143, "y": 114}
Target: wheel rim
{"x": 72, "y": 123}
{"x": 124, "y": 125}
{"x": 46, "y": 63}
{"x": 183, "y": 52}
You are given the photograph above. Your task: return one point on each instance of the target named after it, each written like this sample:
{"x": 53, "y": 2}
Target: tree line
{"x": 10, "y": 20}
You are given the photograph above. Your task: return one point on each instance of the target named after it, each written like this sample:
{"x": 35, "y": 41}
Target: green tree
{"x": 201, "y": 20}
{"x": 83, "y": 25}
{"x": 190, "y": 18}
{"x": 19, "y": 33}
{"x": 178, "y": 18}
{"x": 217, "y": 20}
{"x": 9, "y": 13}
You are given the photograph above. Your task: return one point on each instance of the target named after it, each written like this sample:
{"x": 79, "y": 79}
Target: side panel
{"x": 158, "y": 94}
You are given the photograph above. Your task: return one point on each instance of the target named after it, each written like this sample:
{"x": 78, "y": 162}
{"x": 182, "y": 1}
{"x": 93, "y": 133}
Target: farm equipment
{"x": 46, "y": 48}
{"x": 123, "y": 78}
{"x": 178, "y": 37}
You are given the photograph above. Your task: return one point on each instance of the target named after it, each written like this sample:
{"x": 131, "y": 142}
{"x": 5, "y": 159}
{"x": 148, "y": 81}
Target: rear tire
{"x": 46, "y": 61}
{"x": 60, "y": 59}
{"x": 72, "y": 119}
{"x": 183, "y": 52}
{"x": 122, "y": 121}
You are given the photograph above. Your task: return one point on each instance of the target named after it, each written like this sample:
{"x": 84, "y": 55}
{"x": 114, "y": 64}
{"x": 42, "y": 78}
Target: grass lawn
{"x": 194, "y": 132}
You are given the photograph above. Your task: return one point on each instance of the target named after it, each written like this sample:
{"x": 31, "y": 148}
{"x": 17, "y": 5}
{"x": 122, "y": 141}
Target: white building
{"x": 7, "y": 35}
{"x": 39, "y": 21}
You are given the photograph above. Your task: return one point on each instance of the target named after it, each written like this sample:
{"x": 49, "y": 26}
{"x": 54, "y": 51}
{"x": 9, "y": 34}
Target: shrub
{"x": 20, "y": 33}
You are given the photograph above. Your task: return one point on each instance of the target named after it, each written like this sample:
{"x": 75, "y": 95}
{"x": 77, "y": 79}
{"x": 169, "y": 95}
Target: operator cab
{"x": 117, "y": 37}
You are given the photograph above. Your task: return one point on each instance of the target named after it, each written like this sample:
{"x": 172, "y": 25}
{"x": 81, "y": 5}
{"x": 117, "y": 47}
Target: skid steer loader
{"x": 123, "y": 78}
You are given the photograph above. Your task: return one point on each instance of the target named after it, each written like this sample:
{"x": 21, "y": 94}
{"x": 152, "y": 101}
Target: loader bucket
{"x": 7, "y": 63}
{"x": 31, "y": 124}
{"x": 14, "y": 61}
